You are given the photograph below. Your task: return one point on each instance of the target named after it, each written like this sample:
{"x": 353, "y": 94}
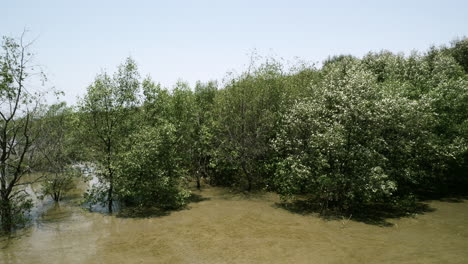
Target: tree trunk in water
{"x": 109, "y": 196}
{"x": 247, "y": 175}
{"x": 198, "y": 183}
{"x": 5, "y": 213}
{"x": 111, "y": 176}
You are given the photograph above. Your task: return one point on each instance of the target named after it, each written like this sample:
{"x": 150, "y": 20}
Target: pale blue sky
{"x": 202, "y": 40}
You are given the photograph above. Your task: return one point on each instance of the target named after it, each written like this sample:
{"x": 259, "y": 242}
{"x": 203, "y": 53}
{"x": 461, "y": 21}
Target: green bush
{"x": 352, "y": 142}
{"x": 150, "y": 172}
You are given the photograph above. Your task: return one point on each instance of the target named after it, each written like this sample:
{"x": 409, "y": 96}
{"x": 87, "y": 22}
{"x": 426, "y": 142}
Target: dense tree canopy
{"x": 350, "y": 134}
{"x": 355, "y": 132}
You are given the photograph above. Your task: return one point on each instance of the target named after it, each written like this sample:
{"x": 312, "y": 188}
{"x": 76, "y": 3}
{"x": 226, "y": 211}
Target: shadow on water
{"x": 56, "y": 213}
{"x": 454, "y": 199}
{"x": 196, "y": 198}
{"x": 241, "y": 194}
{"x": 149, "y": 212}
{"x": 377, "y": 214}
{"x": 142, "y": 212}
{"x": 449, "y": 198}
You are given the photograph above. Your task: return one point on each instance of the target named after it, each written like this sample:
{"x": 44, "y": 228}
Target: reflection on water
{"x": 228, "y": 228}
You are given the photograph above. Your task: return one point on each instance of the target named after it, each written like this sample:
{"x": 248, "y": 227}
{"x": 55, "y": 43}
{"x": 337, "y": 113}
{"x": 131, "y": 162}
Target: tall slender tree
{"x": 107, "y": 109}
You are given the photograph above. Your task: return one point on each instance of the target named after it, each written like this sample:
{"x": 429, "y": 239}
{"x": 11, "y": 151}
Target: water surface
{"x": 232, "y": 228}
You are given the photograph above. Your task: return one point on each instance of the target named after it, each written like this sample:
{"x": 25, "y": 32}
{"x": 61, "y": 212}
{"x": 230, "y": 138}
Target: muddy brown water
{"x": 232, "y": 228}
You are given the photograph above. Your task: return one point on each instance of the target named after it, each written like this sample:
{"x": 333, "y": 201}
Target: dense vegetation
{"x": 381, "y": 129}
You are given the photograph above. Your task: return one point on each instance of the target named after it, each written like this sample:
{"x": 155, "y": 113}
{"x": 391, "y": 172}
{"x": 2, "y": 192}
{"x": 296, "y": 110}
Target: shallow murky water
{"x": 228, "y": 228}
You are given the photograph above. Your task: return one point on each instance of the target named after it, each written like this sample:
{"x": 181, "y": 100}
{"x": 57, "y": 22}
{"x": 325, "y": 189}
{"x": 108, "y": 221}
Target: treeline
{"x": 383, "y": 129}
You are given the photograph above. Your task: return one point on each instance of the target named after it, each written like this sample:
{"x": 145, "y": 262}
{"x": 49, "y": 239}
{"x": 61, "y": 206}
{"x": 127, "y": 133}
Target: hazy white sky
{"x": 202, "y": 40}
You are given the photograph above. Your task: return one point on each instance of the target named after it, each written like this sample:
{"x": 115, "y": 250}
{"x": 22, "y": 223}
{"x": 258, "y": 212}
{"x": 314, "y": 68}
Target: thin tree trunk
{"x": 199, "y": 173}
{"x": 247, "y": 175}
{"x": 109, "y": 196}
{"x": 111, "y": 176}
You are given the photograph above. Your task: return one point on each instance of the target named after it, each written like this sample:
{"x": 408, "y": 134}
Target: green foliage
{"x": 459, "y": 51}
{"x": 108, "y": 112}
{"x": 18, "y": 112}
{"x": 246, "y": 112}
{"x": 58, "y": 184}
{"x": 356, "y": 132}
{"x": 18, "y": 208}
{"x": 354, "y": 141}
{"x": 57, "y": 143}
{"x": 182, "y": 116}
{"x": 449, "y": 99}
{"x": 202, "y": 133}
{"x": 151, "y": 171}
{"x": 97, "y": 193}
{"x": 157, "y": 102}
